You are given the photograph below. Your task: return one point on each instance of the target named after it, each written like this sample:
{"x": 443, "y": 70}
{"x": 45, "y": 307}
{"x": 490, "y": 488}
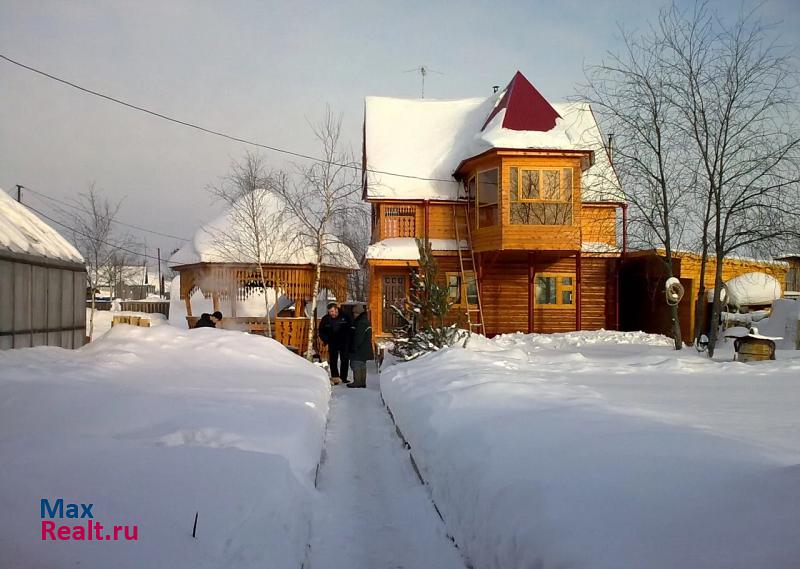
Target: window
{"x": 487, "y": 193}
{"x": 541, "y": 196}
{"x": 457, "y": 290}
{"x": 555, "y": 290}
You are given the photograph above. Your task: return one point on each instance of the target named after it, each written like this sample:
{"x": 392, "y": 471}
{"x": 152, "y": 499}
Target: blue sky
{"x": 260, "y": 70}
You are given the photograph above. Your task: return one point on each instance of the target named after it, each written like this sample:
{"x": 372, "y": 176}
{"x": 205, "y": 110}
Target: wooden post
{"x": 578, "y": 291}
{"x": 531, "y": 292}
{"x": 215, "y": 300}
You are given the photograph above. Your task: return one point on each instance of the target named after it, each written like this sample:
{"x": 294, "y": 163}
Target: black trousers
{"x": 337, "y": 355}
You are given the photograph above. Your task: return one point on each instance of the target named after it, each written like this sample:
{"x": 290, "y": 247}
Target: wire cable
{"x": 216, "y": 132}
{"x": 73, "y": 206}
{"x": 115, "y": 247}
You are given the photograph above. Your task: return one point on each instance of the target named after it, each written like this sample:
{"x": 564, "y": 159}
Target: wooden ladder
{"x": 467, "y": 263}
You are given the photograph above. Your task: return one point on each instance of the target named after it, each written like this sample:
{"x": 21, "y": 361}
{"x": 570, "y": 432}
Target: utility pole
{"x": 160, "y": 278}
{"x": 19, "y": 193}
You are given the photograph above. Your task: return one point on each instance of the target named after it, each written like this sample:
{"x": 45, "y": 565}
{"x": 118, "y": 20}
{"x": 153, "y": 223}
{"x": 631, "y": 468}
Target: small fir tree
{"x": 423, "y": 313}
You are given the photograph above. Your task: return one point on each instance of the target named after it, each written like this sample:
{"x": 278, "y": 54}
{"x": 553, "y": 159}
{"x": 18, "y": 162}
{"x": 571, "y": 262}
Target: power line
{"x": 73, "y": 206}
{"x": 216, "y": 132}
{"x": 115, "y": 247}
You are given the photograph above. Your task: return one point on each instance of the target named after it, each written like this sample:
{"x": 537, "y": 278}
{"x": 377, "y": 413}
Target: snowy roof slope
{"x": 224, "y": 241}
{"x": 423, "y": 138}
{"x": 23, "y": 232}
{"x": 405, "y": 248}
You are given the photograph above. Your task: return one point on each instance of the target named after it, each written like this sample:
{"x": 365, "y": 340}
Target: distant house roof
{"x": 425, "y": 140}
{"x": 22, "y": 232}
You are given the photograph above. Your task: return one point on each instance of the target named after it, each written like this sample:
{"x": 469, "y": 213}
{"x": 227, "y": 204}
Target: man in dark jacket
{"x": 360, "y": 347}
{"x": 205, "y": 321}
{"x": 334, "y": 330}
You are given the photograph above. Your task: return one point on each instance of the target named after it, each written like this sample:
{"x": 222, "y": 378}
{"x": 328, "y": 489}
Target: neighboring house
{"x": 42, "y": 283}
{"x": 534, "y": 183}
{"x": 129, "y": 282}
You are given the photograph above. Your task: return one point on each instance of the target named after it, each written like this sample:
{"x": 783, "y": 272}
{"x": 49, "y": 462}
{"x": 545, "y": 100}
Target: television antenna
{"x": 423, "y": 71}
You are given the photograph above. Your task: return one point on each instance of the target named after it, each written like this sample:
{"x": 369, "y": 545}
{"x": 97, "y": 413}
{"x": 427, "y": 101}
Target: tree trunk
{"x": 676, "y": 326}
{"x": 314, "y": 295}
{"x": 266, "y": 297}
{"x": 700, "y": 301}
{"x": 716, "y": 308}
{"x": 91, "y": 314}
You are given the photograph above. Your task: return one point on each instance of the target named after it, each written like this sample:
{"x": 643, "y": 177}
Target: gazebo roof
{"x": 226, "y": 240}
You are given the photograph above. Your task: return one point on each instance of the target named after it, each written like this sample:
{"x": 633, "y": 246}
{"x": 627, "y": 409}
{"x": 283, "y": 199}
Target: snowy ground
{"x": 152, "y": 425}
{"x": 103, "y": 318}
{"x": 606, "y": 451}
{"x": 372, "y": 512}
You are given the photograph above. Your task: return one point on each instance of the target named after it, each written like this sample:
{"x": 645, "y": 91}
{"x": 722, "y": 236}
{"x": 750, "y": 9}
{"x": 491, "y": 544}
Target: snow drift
{"x": 605, "y": 450}
{"x": 152, "y": 425}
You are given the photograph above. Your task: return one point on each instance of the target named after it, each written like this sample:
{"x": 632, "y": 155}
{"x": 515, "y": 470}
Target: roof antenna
{"x": 423, "y": 72}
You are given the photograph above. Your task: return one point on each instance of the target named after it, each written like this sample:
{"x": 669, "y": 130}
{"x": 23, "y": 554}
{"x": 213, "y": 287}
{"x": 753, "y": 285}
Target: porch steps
{"x": 466, "y": 263}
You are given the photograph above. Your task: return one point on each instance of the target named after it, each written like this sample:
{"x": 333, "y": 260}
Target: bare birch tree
{"x": 96, "y": 239}
{"x": 629, "y": 92}
{"x": 737, "y": 91}
{"x": 354, "y": 231}
{"x": 318, "y": 199}
{"x": 255, "y": 233}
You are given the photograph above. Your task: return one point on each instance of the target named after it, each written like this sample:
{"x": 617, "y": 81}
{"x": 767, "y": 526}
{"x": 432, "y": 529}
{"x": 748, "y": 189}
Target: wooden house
{"x": 517, "y": 198}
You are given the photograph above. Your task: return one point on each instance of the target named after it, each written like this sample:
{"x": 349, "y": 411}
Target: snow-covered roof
{"x": 405, "y": 248}
{"x": 23, "y": 232}
{"x": 426, "y": 140}
{"x": 224, "y": 240}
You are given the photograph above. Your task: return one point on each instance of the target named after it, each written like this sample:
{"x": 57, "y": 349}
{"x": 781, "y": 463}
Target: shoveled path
{"x": 372, "y": 512}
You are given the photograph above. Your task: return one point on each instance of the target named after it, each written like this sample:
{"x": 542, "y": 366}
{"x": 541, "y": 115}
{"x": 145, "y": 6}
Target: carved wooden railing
{"x": 399, "y": 221}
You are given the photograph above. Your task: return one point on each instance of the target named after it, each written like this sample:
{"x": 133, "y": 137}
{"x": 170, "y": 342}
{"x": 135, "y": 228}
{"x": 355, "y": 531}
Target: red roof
{"x": 526, "y": 108}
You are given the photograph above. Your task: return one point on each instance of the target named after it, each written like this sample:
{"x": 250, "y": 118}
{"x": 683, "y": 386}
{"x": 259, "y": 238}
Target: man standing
{"x": 335, "y": 331}
{"x": 361, "y": 347}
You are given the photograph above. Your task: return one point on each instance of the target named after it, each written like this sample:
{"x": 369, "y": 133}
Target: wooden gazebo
{"x": 230, "y": 282}
{"x": 223, "y": 263}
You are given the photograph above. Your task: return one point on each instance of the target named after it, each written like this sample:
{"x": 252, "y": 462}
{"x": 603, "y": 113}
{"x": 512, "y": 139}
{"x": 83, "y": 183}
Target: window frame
{"x": 562, "y": 186}
{"x": 496, "y": 203}
{"x": 560, "y": 289}
{"x": 463, "y": 284}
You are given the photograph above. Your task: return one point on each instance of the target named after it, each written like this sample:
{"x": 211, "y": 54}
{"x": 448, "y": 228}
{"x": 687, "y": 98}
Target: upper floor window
{"x": 540, "y": 196}
{"x": 488, "y": 192}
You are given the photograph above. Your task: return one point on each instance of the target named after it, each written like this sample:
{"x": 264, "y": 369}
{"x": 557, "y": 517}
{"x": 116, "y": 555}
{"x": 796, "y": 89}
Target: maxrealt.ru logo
{"x": 88, "y": 530}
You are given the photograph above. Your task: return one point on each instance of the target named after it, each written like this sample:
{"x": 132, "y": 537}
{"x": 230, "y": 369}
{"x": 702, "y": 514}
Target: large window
{"x": 487, "y": 198}
{"x": 541, "y": 196}
{"x": 460, "y": 291}
{"x": 555, "y": 290}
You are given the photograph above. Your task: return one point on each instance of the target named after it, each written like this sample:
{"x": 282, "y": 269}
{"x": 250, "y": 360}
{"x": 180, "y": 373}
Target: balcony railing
{"x": 399, "y": 221}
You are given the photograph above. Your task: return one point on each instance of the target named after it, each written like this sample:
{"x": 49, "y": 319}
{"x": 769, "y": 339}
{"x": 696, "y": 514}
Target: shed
{"x": 42, "y": 282}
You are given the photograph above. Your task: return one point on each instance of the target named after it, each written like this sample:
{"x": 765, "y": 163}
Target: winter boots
{"x": 359, "y": 377}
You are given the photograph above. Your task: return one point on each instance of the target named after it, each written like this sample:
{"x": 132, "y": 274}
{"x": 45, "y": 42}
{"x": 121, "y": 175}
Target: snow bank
{"x": 782, "y": 322}
{"x": 152, "y": 425}
{"x": 753, "y": 289}
{"x": 103, "y": 319}
{"x": 606, "y": 450}
{"x": 22, "y": 232}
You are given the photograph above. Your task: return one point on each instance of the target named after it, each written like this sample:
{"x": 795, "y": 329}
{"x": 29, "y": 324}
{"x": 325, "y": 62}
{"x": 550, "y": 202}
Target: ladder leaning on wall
{"x": 466, "y": 263}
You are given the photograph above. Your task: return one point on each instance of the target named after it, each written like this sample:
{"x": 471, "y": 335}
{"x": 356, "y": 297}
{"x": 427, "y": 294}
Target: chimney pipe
{"x": 495, "y": 88}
